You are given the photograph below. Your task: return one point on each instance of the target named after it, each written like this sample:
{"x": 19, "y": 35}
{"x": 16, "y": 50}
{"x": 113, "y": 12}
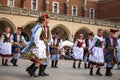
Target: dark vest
{"x": 87, "y": 42}
{"x": 15, "y": 37}
{"x": 43, "y": 34}
{"x": 58, "y": 41}
{"x": 6, "y": 39}
{"x": 108, "y": 42}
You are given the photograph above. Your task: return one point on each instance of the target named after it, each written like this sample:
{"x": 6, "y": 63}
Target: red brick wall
{"x": 109, "y": 10}
{"x": 93, "y": 5}
{"x": 102, "y": 10}
{"x": 79, "y": 4}
{"x": 3, "y": 2}
{"x": 27, "y": 4}
{"x": 18, "y": 3}
{"x": 41, "y": 5}
{"x": 62, "y": 7}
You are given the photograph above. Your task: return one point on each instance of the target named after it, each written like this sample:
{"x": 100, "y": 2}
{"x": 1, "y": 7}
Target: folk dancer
{"x": 110, "y": 51}
{"x": 118, "y": 53}
{"x": 18, "y": 43}
{"x": 78, "y": 50}
{"x": 47, "y": 39}
{"x": 88, "y": 40}
{"x": 55, "y": 50}
{"x": 96, "y": 52}
{"x": 36, "y": 49}
{"x": 5, "y": 46}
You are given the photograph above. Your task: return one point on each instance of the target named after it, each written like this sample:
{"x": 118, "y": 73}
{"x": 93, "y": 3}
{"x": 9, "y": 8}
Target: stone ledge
{"x": 78, "y": 19}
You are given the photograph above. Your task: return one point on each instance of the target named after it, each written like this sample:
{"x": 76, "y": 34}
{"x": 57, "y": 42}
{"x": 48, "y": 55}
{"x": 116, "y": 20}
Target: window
{"x": 74, "y": 10}
{"x": 11, "y": 3}
{"x": 55, "y": 7}
{"x": 34, "y": 4}
{"x": 91, "y": 13}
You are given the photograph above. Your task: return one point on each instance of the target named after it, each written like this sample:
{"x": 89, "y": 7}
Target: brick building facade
{"x": 98, "y": 9}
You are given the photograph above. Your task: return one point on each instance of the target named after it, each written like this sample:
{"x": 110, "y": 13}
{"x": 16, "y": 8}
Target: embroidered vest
{"x": 43, "y": 34}
{"x": 6, "y": 39}
{"x": 15, "y": 38}
{"x": 98, "y": 43}
{"x": 58, "y": 41}
{"x": 79, "y": 44}
{"x": 108, "y": 42}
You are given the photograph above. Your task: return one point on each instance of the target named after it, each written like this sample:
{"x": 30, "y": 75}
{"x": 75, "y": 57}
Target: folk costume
{"x": 36, "y": 49}
{"x": 47, "y": 37}
{"x": 110, "y": 51}
{"x": 5, "y": 48}
{"x": 86, "y": 52}
{"x": 97, "y": 51}
{"x": 55, "y": 50}
{"x": 118, "y": 54}
{"x": 97, "y": 56}
{"x": 78, "y": 51}
{"x": 18, "y": 43}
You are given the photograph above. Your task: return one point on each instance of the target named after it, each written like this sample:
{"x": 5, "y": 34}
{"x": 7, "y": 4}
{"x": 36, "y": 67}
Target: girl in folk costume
{"x": 118, "y": 53}
{"x": 97, "y": 56}
{"x": 47, "y": 37}
{"x": 5, "y": 46}
{"x": 36, "y": 49}
{"x": 78, "y": 50}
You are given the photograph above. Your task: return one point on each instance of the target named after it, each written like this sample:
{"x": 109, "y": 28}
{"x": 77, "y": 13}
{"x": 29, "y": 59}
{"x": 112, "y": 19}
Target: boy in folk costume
{"x": 78, "y": 50}
{"x": 56, "y": 46}
{"x": 96, "y": 52}
{"x": 110, "y": 50}
{"x": 118, "y": 53}
{"x": 18, "y": 43}
{"x": 88, "y": 40}
{"x": 36, "y": 49}
{"x": 5, "y": 45}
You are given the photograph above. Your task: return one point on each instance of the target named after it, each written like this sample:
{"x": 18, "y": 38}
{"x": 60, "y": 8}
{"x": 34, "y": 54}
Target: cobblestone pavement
{"x": 63, "y": 72}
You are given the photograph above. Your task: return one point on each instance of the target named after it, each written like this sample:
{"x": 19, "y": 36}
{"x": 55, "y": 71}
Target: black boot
{"x": 12, "y": 61}
{"x": 30, "y": 67}
{"x": 6, "y": 62}
{"x": 74, "y": 65}
{"x": 3, "y": 62}
{"x": 45, "y": 66}
{"x": 32, "y": 72}
{"x": 85, "y": 65}
{"x": 41, "y": 70}
{"x": 108, "y": 71}
{"x": 91, "y": 72}
{"x": 56, "y": 63}
{"x": 79, "y": 65}
{"x": 15, "y": 63}
{"x": 88, "y": 64}
{"x": 118, "y": 65}
{"x": 98, "y": 72}
{"x": 52, "y": 64}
